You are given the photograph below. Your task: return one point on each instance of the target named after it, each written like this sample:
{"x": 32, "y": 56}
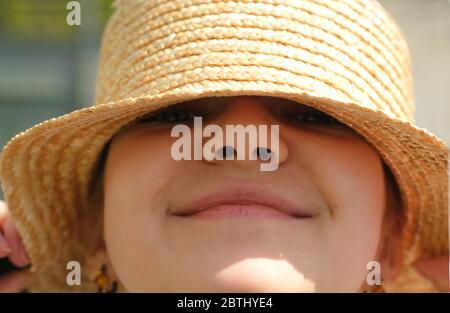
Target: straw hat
{"x": 345, "y": 58}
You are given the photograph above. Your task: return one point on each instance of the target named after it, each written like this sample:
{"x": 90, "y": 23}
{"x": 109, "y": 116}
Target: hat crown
{"x": 349, "y": 51}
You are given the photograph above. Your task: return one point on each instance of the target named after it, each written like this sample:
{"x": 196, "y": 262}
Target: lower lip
{"x": 241, "y": 211}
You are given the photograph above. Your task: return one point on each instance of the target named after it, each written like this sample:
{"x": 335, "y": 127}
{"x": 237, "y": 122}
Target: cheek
{"x": 139, "y": 165}
{"x": 133, "y": 241}
{"x": 136, "y": 171}
{"x": 358, "y": 201}
{"x": 349, "y": 175}
{"x": 353, "y": 181}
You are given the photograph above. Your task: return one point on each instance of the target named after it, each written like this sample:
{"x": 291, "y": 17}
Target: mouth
{"x": 243, "y": 202}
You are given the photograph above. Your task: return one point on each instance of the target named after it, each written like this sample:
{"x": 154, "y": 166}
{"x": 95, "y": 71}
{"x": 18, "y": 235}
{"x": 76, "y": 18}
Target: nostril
{"x": 263, "y": 153}
{"x": 225, "y": 153}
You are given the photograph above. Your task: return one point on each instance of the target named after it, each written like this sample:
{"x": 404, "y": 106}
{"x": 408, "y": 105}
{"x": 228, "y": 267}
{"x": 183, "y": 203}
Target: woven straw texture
{"x": 345, "y": 58}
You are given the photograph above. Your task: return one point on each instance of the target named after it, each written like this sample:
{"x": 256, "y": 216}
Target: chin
{"x": 262, "y": 275}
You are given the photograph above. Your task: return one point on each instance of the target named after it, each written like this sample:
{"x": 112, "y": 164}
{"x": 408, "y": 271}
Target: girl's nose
{"x": 251, "y": 134}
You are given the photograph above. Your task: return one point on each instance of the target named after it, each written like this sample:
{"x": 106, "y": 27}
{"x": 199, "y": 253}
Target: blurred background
{"x": 48, "y": 68}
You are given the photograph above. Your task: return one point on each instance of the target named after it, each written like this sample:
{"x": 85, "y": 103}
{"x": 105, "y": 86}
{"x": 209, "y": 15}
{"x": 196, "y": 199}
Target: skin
{"x": 321, "y": 167}
{"x": 11, "y": 247}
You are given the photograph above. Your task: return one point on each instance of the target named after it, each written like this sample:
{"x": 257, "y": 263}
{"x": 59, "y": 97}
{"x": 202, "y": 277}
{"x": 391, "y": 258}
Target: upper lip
{"x": 244, "y": 195}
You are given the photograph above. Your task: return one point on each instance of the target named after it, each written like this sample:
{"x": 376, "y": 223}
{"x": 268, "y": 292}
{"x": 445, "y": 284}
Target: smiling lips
{"x": 250, "y": 202}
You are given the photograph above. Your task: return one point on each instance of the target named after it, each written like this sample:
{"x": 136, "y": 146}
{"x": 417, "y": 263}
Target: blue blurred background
{"x": 48, "y": 68}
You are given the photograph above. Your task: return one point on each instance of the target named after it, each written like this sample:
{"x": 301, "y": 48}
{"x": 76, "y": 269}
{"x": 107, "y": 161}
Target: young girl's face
{"x": 329, "y": 179}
